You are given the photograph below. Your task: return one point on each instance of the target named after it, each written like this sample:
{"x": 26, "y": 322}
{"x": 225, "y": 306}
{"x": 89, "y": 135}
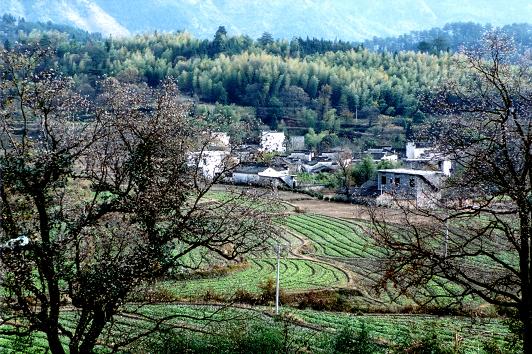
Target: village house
{"x": 210, "y": 162}
{"x": 220, "y": 140}
{"x": 417, "y": 150}
{"x": 340, "y": 156}
{"x": 246, "y": 152}
{"x": 215, "y": 158}
{"x": 320, "y": 164}
{"x": 296, "y": 142}
{"x": 385, "y": 153}
{"x": 259, "y": 174}
{"x": 271, "y": 141}
{"x": 303, "y": 155}
{"x": 420, "y": 186}
{"x": 426, "y": 158}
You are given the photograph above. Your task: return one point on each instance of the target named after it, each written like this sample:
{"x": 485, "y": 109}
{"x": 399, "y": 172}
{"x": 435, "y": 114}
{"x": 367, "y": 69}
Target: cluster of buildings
{"x": 277, "y": 161}
{"x": 420, "y": 179}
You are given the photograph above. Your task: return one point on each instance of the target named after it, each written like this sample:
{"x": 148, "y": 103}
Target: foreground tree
{"x": 477, "y": 238}
{"x": 97, "y": 198}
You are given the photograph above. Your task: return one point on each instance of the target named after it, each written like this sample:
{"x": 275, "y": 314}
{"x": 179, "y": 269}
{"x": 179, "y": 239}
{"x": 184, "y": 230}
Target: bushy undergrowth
{"x": 282, "y": 337}
{"x": 276, "y": 337}
{"x": 349, "y": 341}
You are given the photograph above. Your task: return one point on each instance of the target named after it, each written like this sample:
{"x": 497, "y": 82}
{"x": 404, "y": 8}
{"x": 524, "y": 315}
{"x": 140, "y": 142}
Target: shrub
{"x": 427, "y": 344}
{"x": 492, "y": 347}
{"x": 355, "y": 342}
{"x": 151, "y": 294}
{"x": 211, "y": 295}
{"x": 267, "y": 290}
{"x": 245, "y": 297}
{"x": 259, "y": 338}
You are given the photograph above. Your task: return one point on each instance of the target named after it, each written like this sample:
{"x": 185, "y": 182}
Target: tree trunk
{"x": 527, "y": 332}
{"x": 52, "y": 335}
{"x": 525, "y": 310}
{"x": 89, "y": 341}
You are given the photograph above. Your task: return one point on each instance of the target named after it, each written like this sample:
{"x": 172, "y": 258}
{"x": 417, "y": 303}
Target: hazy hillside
{"x": 345, "y": 19}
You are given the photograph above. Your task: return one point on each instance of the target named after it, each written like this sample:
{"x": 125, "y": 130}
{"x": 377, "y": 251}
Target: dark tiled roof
{"x": 257, "y": 167}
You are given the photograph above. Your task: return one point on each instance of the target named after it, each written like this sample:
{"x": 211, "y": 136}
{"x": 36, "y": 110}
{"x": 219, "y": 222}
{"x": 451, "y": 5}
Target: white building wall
{"x": 392, "y": 157}
{"x": 412, "y": 152}
{"x": 210, "y": 162}
{"x": 304, "y": 156}
{"x": 245, "y": 178}
{"x": 270, "y": 172}
{"x": 272, "y": 142}
{"x": 446, "y": 167}
{"x": 297, "y": 142}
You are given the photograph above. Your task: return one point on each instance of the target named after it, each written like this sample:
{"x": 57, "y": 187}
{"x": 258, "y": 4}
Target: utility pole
{"x": 446, "y": 236}
{"x": 277, "y": 279}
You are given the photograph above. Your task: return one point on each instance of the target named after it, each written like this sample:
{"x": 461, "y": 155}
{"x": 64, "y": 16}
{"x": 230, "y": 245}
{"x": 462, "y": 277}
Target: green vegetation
{"x": 307, "y": 83}
{"x": 333, "y": 237}
{"x": 330, "y": 180}
{"x": 470, "y": 333}
{"x": 333, "y": 92}
{"x": 296, "y": 275}
{"x": 198, "y": 328}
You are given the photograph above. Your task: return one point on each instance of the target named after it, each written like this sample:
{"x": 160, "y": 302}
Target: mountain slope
{"x": 343, "y": 19}
{"x": 84, "y": 14}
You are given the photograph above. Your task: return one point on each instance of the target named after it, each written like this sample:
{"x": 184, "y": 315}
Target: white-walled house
{"x": 384, "y": 154}
{"x": 303, "y": 155}
{"x": 263, "y": 175}
{"x": 271, "y": 141}
{"x": 210, "y": 162}
{"x": 220, "y": 139}
{"x": 415, "y": 152}
{"x": 296, "y": 142}
{"x": 390, "y": 157}
{"x": 426, "y": 158}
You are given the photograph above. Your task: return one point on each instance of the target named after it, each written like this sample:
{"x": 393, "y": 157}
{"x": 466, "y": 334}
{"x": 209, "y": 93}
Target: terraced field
{"x": 340, "y": 254}
{"x": 296, "y": 274}
{"x": 349, "y": 246}
{"x": 333, "y": 237}
{"x": 465, "y": 333}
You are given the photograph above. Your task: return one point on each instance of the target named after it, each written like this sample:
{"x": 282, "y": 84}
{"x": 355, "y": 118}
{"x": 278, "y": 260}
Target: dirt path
{"x": 299, "y": 252}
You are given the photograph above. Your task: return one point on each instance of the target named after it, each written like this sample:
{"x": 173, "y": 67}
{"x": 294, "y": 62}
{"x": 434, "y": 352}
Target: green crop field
{"x": 333, "y": 237}
{"x": 467, "y": 333}
{"x": 339, "y": 247}
{"x": 296, "y": 274}
{"x": 318, "y": 326}
{"x": 350, "y": 245}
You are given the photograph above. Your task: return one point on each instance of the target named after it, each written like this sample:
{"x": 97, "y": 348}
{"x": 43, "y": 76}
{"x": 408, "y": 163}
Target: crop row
{"x": 332, "y": 237}
{"x": 465, "y": 333}
{"x": 469, "y": 333}
{"x": 296, "y": 274}
{"x": 344, "y": 242}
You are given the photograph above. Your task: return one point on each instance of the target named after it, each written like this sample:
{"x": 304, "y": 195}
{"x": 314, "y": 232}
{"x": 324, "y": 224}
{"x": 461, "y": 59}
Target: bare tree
{"x": 344, "y": 159}
{"x": 97, "y": 197}
{"x": 478, "y": 235}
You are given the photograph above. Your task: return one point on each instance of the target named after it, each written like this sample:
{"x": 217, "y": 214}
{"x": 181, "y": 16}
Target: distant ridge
{"x": 330, "y": 19}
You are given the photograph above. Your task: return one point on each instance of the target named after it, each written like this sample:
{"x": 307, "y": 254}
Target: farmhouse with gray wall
{"x": 423, "y": 187}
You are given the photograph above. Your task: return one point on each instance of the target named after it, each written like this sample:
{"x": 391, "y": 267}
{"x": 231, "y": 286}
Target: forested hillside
{"x": 333, "y": 86}
{"x": 451, "y": 37}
